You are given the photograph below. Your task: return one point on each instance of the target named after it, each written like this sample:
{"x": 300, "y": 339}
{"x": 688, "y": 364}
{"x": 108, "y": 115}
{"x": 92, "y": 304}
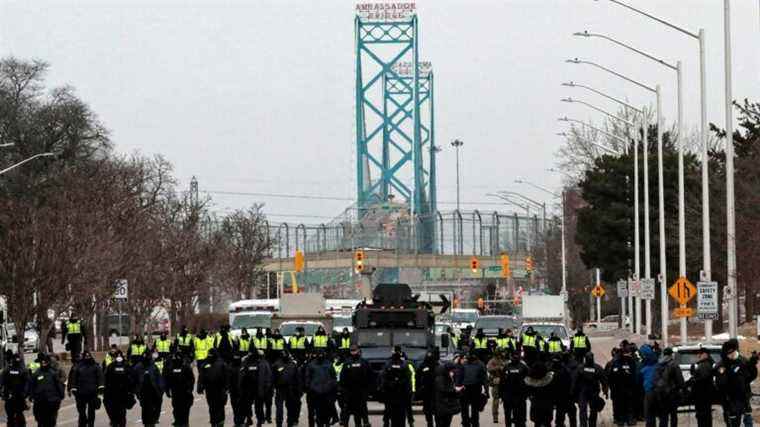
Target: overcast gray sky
{"x": 257, "y": 96}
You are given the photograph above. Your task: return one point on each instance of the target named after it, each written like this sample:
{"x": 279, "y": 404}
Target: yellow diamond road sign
{"x": 598, "y": 291}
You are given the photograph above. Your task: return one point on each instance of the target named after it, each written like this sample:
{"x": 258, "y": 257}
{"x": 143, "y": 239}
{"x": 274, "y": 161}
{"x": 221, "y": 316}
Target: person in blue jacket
{"x": 646, "y": 376}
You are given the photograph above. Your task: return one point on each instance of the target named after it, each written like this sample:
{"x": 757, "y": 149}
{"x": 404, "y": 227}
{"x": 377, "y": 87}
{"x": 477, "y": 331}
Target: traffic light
{"x": 359, "y": 260}
{"x": 529, "y": 264}
{"x": 474, "y": 264}
{"x": 299, "y": 261}
{"x": 505, "y": 271}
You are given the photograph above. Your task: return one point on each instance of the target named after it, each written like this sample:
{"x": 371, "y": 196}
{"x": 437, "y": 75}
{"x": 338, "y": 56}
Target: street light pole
{"x": 730, "y": 197}
{"x": 700, "y": 37}
{"x": 646, "y": 182}
{"x": 10, "y": 168}
{"x": 456, "y": 144}
{"x": 661, "y": 214}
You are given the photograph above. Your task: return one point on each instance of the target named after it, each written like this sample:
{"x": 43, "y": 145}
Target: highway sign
{"x": 598, "y": 291}
{"x": 707, "y": 300}
{"x": 622, "y": 289}
{"x": 634, "y": 287}
{"x": 121, "y": 290}
{"x": 682, "y": 291}
{"x": 679, "y": 312}
{"x": 647, "y": 289}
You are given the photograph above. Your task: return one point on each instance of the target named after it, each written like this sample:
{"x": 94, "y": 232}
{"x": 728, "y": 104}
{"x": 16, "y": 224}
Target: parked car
{"x": 30, "y": 343}
{"x": 686, "y": 355}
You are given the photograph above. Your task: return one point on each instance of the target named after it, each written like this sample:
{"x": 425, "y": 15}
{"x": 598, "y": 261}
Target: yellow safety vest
{"x": 108, "y": 360}
{"x": 319, "y": 341}
{"x": 345, "y": 343}
{"x": 33, "y": 366}
{"x": 163, "y": 346}
{"x": 337, "y": 367}
{"x": 137, "y": 349}
{"x": 480, "y": 343}
{"x": 160, "y": 365}
{"x": 454, "y": 340}
{"x": 278, "y": 344}
{"x": 414, "y": 377}
{"x": 579, "y": 341}
{"x": 529, "y": 341}
{"x": 245, "y": 344}
{"x": 502, "y": 342}
{"x": 555, "y": 346}
{"x": 74, "y": 328}
{"x": 202, "y": 346}
{"x": 260, "y": 343}
{"x": 184, "y": 341}
{"x": 297, "y": 343}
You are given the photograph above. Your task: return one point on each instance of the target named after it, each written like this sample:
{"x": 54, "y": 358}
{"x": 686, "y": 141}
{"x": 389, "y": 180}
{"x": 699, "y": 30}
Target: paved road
{"x": 199, "y": 413}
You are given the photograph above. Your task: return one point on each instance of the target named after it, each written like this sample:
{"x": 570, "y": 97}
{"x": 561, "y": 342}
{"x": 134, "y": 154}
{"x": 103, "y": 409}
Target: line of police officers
{"x": 253, "y": 372}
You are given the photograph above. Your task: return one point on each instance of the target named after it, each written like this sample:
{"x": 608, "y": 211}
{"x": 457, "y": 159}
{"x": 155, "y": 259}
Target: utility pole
{"x": 731, "y": 291}
{"x": 457, "y": 144}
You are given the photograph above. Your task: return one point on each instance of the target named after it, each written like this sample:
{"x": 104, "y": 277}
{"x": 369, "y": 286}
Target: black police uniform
{"x": 426, "y": 387}
{"x": 288, "y": 391}
{"x": 513, "y": 391}
{"x": 85, "y": 383}
{"x": 622, "y": 381}
{"x": 255, "y": 385}
{"x": 321, "y": 385}
{"x": 590, "y": 380}
{"x": 47, "y": 392}
{"x": 180, "y": 382}
{"x": 118, "y": 395}
{"x": 214, "y": 382}
{"x": 355, "y": 381}
{"x": 15, "y": 389}
{"x": 149, "y": 388}
{"x": 565, "y": 407}
{"x": 733, "y": 378}
{"x": 703, "y": 391}
{"x": 396, "y": 388}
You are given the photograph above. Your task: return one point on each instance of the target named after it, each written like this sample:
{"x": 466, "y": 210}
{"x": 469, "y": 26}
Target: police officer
{"x": 396, "y": 388}
{"x": 554, "y": 345}
{"x": 72, "y": 330}
{"x": 507, "y": 344}
{"x": 256, "y": 384}
{"x": 320, "y": 341}
{"x": 590, "y": 380}
{"x": 149, "y": 387}
{"x": 580, "y": 345}
{"x": 136, "y": 350}
{"x": 622, "y": 381}
{"x": 276, "y": 346}
{"x": 244, "y": 343}
{"x": 239, "y": 412}
{"x": 180, "y": 382}
{"x": 108, "y": 359}
{"x": 481, "y": 346}
{"x": 214, "y": 382}
{"x": 202, "y": 345}
{"x": 703, "y": 391}
{"x": 531, "y": 344}
{"x": 426, "y": 386}
{"x": 86, "y": 383}
{"x": 14, "y": 387}
{"x": 513, "y": 392}
{"x": 355, "y": 381}
{"x": 565, "y": 408}
{"x": 47, "y": 392}
{"x": 733, "y": 376}
{"x": 183, "y": 343}
{"x": 288, "y": 391}
{"x": 163, "y": 346}
{"x": 344, "y": 344}
{"x": 118, "y": 395}
{"x": 261, "y": 342}
{"x": 297, "y": 345}
{"x": 34, "y": 365}
{"x": 321, "y": 385}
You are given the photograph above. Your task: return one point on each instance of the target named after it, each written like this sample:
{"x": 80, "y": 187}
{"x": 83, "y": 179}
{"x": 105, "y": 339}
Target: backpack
{"x": 663, "y": 383}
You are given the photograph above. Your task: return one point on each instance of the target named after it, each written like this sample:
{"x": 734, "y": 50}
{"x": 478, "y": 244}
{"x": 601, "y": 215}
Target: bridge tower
{"x": 395, "y": 139}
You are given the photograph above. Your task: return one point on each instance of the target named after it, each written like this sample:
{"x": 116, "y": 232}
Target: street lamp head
{"x": 457, "y": 143}
{"x": 569, "y": 84}
{"x": 583, "y": 33}
{"x": 519, "y": 181}
{"x": 573, "y": 61}
{"x": 568, "y": 99}
{"x": 563, "y": 119}
{"x": 561, "y": 134}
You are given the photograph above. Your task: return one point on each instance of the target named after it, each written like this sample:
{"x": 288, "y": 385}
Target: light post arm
{"x": 627, "y": 46}
{"x": 660, "y": 20}
{"x": 614, "y": 73}
{"x": 10, "y": 168}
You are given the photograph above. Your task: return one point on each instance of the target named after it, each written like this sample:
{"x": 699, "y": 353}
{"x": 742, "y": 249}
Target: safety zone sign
{"x": 622, "y": 289}
{"x": 707, "y": 300}
{"x": 647, "y": 289}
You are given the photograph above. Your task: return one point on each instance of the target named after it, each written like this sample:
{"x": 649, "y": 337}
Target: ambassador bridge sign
{"x": 386, "y": 11}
